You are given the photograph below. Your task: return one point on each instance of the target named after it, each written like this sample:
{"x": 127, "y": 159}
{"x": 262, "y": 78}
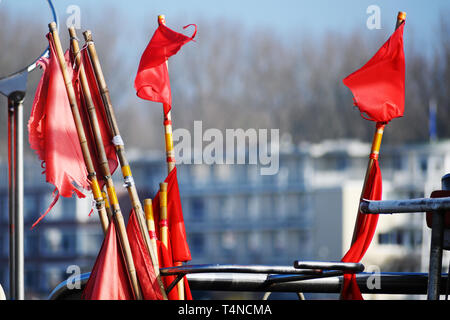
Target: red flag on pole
{"x": 379, "y": 93}
{"x": 109, "y": 277}
{"x": 53, "y": 135}
{"x": 175, "y": 221}
{"x": 367, "y": 224}
{"x": 142, "y": 260}
{"x": 152, "y": 79}
{"x": 379, "y": 86}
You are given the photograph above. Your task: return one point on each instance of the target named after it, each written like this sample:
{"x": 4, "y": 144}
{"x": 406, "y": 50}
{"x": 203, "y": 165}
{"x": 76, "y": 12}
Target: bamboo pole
{"x": 170, "y": 156}
{"x": 104, "y": 167}
{"x": 376, "y": 144}
{"x": 148, "y": 209}
{"x": 120, "y": 150}
{"x": 80, "y": 131}
{"x": 164, "y": 228}
{"x": 107, "y": 206}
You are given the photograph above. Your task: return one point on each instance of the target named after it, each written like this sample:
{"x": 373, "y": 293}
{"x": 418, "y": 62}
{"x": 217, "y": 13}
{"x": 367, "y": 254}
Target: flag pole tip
{"x": 52, "y": 26}
{"x": 72, "y": 31}
{"x": 147, "y": 202}
{"x": 87, "y": 35}
{"x": 161, "y": 19}
{"x": 401, "y": 15}
{"x": 163, "y": 186}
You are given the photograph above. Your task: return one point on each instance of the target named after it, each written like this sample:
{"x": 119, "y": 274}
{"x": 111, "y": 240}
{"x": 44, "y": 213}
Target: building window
{"x": 30, "y": 207}
{"x": 401, "y": 237}
{"x": 197, "y": 209}
{"x": 197, "y": 244}
{"x": 31, "y": 244}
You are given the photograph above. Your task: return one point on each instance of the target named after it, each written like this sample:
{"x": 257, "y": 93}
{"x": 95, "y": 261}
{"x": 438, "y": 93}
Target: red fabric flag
{"x": 52, "y": 132}
{"x": 175, "y": 221}
{"x": 152, "y": 79}
{"x": 166, "y": 261}
{"x": 144, "y": 267}
{"x": 109, "y": 277}
{"x": 365, "y": 230}
{"x": 379, "y": 86}
{"x": 107, "y": 138}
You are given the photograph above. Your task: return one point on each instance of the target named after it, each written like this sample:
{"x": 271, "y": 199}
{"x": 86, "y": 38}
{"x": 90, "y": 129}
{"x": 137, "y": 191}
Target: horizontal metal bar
{"x": 279, "y": 278}
{"x": 389, "y": 283}
{"x": 233, "y": 268}
{"x": 405, "y": 206}
{"x": 344, "y": 266}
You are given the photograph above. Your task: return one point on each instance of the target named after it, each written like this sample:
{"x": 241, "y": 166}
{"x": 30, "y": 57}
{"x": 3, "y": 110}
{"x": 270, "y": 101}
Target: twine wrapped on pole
{"x": 104, "y": 167}
{"x": 120, "y": 150}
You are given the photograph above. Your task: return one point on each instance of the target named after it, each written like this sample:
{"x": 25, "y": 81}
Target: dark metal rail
{"x": 389, "y": 283}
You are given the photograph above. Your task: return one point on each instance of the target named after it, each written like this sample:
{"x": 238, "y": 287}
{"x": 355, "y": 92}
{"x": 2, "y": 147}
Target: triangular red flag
{"x": 379, "y": 86}
{"x": 109, "y": 277}
{"x": 175, "y": 220}
{"x": 53, "y": 134}
{"x": 152, "y": 79}
{"x": 365, "y": 230}
{"x": 101, "y": 118}
{"x": 144, "y": 267}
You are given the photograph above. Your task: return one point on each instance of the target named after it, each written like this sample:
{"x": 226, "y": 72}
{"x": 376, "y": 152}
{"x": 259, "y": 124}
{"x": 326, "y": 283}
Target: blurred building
{"x": 235, "y": 215}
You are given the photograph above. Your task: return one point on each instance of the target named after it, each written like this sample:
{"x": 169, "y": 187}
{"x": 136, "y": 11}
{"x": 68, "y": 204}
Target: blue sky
{"x": 284, "y": 17}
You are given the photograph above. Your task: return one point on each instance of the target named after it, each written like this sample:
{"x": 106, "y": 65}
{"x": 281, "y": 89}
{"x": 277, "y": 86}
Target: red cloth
{"x": 166, "y": 261}
{"x": 143, "y": 263}
{"x": 379, "y": 86}
{"x": 365, "y": 230}
{"x": 52, "y": 132}
{"x": 109, "y": 277}
{"x": 177, "y": 231}
{"x": 152, "y": 79}
{"x": 102, "y": 119}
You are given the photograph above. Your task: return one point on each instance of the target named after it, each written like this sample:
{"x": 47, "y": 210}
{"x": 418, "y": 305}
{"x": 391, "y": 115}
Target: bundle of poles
{"x": 106, "y": 200}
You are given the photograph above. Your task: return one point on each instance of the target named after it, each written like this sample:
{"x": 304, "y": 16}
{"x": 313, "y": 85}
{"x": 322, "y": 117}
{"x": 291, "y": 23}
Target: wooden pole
{"x": 170, "y": 157}
{"x": 120, "y": 150}
{"x": 104, "y": 167}
{"x": 164, "y": 228}
{"x": 80, "y": 131}
{"x": 376, "y": 143}
{"x": 107, "y": 206}
{"x": 148, "y": 209}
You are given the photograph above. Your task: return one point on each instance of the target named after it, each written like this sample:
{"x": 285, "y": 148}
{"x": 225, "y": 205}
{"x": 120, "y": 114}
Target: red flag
{"x": 175, "y": 221}
{"x": 110, "y": 149}
{"x": 109, "y": 277}
{"x": 166, "y": 261}
{"x": 379, "y": 86}
{"x": 152, "y": 79}
{"x": 52, "y": 132}
{"x": 365, "y": 230}
{"x": 144, "y": 267}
